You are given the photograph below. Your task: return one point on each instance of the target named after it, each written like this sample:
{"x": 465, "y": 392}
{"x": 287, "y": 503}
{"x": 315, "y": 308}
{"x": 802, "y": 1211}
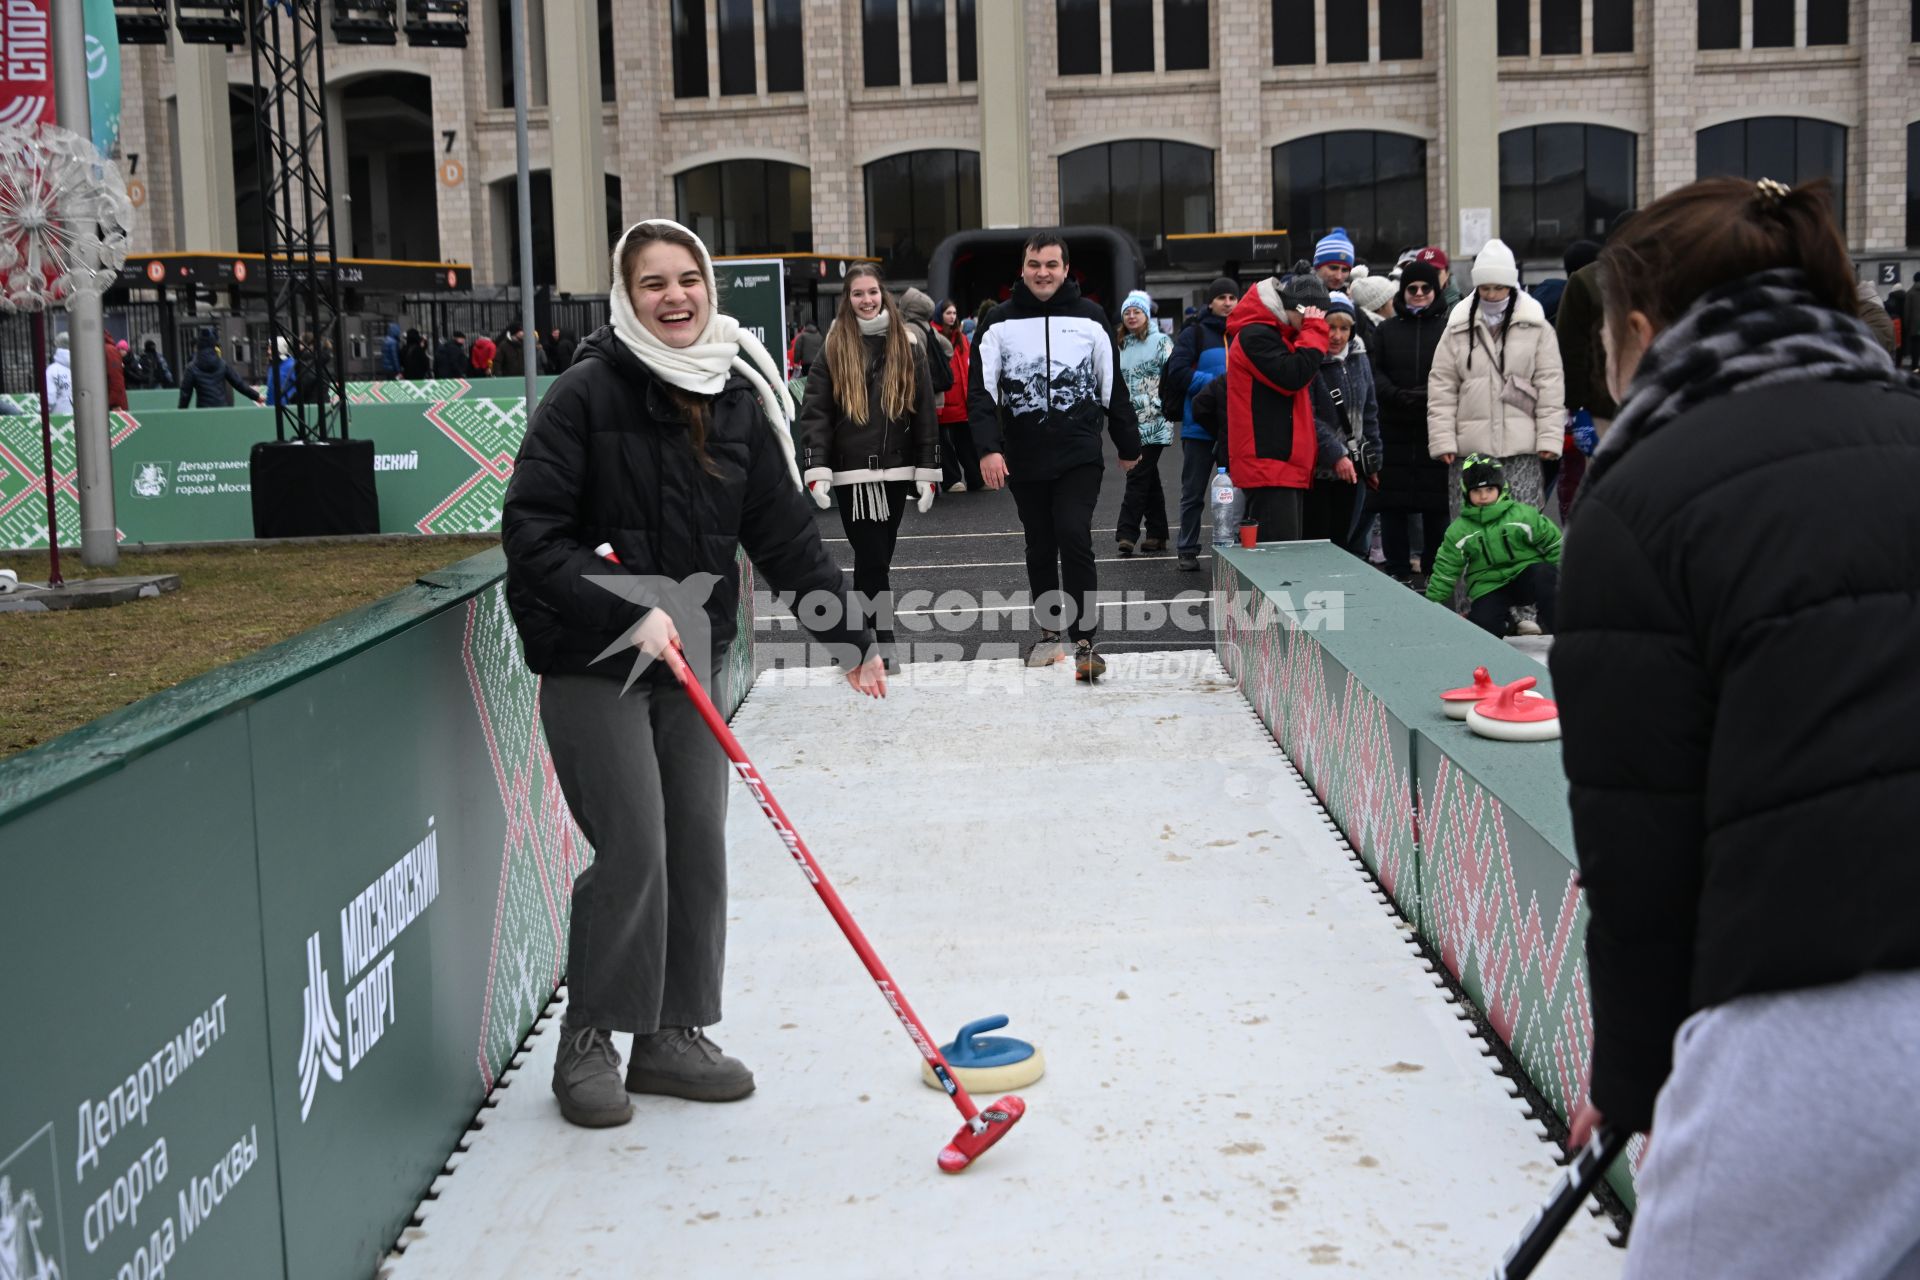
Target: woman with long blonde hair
{"x": 869, "y": 433}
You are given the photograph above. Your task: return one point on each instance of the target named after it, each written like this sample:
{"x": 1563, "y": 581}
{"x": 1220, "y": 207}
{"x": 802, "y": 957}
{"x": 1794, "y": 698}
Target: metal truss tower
{"x": 295, "y": 157}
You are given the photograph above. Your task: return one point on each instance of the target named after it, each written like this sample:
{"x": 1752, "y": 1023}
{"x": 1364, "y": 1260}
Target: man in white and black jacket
{"x": 1044, "y": 380}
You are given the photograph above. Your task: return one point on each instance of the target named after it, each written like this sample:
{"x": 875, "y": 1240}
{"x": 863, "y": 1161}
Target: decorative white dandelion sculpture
{"x": 64, "y": 217}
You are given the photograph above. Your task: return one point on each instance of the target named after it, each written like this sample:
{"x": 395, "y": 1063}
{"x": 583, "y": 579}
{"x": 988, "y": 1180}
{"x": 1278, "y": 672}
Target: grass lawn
{"x": 60, "y": 670}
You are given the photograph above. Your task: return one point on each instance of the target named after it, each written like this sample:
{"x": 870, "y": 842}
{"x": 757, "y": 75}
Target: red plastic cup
{"x": 1249, "y": 534}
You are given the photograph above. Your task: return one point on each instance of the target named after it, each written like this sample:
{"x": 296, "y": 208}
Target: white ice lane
{"x": 1249, "y": 1072}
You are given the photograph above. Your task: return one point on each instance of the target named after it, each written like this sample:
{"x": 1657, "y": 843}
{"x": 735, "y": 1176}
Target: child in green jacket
{"x": 1509, "y": 552}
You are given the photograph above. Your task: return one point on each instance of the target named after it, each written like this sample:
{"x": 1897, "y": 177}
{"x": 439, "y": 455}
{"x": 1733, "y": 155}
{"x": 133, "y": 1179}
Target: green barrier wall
{"x": 271, "y": 936}
{"x": 182, "y": 475}
{"x": 1471, "y": 838}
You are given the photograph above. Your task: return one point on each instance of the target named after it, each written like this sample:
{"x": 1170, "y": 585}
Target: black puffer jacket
{"x": 607, "y": 459}
{"x": 450, "y": 360}
{"x": 835, "y": 448}
{"x": 1402, "y": 351}
{"x": 208, "y": 376}
{"x": 1737, "y": 680}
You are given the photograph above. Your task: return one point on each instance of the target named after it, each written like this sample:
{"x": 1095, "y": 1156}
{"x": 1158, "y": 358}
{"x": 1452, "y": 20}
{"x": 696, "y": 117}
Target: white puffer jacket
{"x": 1465, "y": 413}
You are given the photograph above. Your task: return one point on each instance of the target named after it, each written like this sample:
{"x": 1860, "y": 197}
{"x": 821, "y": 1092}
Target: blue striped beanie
{"x": 1138, "y": 298}
{"x": 1335, "y": 246}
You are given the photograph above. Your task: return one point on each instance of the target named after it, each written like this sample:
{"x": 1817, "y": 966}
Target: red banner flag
{"x": 26, "y": 63}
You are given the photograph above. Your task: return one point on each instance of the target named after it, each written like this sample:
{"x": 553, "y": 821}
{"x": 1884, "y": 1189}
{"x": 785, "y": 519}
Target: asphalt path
{"x": 958, "y": 566}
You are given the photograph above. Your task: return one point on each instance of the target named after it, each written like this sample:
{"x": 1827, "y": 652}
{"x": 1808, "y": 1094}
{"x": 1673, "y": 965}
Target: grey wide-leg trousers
{"x": 648, "y": 785}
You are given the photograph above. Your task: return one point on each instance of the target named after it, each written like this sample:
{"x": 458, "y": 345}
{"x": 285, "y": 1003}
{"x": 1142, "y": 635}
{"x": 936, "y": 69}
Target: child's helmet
{"x": 1477, "y": 469}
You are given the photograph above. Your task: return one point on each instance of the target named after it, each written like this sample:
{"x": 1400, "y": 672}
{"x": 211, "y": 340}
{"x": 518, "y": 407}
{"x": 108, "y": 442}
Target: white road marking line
{"x": 908, "y": 537}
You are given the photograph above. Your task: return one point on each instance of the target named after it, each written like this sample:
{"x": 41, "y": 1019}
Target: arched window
{"x": 1373, "y": 184}
{"x": 917, "y": 199}
{"x": 1152, "y": 189}
{"x": 1786, "y": 148}
{"x": 388, "y": 145}
{"x": 1562, "y": 182}
{"x": 748, "y": 206}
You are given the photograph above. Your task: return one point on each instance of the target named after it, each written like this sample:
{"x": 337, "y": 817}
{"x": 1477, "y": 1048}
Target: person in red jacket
{"x": 1278, "y": 334}
{"x": 483, "y": 350}
{"x": 962, "y": 463}
{"x": 116, "y": 377}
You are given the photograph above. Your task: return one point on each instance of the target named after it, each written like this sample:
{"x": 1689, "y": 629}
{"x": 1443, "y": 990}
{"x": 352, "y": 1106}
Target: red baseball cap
{"x": 1435, "y": 255}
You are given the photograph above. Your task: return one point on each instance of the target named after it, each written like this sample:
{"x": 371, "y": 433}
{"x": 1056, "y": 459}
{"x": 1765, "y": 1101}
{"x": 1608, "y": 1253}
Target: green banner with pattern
{"x": 182, "y": 475}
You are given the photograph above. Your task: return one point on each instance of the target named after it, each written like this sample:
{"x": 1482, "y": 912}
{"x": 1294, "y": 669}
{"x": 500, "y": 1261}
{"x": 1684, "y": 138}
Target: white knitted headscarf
{"x": 723, "y": 348}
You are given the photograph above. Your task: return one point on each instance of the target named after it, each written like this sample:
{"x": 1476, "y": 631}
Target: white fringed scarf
{"x": 870, "y": 501}
{"x": 723, "y": 348}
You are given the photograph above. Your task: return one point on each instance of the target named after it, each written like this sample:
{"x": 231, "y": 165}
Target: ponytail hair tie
{"x": 1770, "y": 193}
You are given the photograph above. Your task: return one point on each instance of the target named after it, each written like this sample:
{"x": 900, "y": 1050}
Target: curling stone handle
{"x": 963, "y": 1043}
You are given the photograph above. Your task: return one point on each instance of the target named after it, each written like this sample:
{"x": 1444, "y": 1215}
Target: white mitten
{"x": 822, "y": 492}
{"x": 926, "y": 497}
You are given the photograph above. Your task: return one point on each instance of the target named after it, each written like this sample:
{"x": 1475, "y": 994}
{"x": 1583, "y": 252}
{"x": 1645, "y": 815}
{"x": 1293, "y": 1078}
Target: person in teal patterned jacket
{"x": 1509, "y": 552}
{"x": 1143, "y": 358}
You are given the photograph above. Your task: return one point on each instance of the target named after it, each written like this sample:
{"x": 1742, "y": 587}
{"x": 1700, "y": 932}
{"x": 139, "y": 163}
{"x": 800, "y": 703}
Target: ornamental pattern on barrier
{"x": 544, "y": 849}
{"x": 400, "y": 391}
{"x": 1344, "y": 747}
{"x": 489, "y": 432}
{"x": 23, "y": 495}
{"x": 1525, "y": 959}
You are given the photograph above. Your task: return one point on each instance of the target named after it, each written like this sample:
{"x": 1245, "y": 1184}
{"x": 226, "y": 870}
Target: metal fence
{"x": 243, "y": 336}
{"x": 492, "y": 316}
{"x": 18, "y": 374}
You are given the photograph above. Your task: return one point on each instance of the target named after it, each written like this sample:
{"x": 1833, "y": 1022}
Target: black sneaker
{"x": 1126, "y": 548}
{"x": 586, "y": 1079}
{"x": 1046, "y": 650}
{"x": 682, "y": 1063}
{"x": 1088, "y": 665}
{"x": 1188, "y": 564}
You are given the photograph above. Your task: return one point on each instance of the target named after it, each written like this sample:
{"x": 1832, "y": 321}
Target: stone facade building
{"x": 878, "y": 126}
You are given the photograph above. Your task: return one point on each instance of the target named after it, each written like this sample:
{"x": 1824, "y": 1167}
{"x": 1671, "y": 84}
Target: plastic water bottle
{"x": 1225, "y": 505}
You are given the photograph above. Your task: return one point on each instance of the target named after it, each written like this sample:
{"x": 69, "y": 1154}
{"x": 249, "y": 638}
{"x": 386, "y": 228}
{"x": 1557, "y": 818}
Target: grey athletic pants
{"x": 1786, "y": 1142}
{"x": 648, "y": 785}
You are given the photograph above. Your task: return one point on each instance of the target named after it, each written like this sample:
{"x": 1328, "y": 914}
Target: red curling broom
{"x": 982, "y": 1128}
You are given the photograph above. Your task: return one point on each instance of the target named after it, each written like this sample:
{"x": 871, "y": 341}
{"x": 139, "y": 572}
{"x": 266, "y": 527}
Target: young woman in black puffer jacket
{"x": 666, "y": 443}
{"x": 1411, "y": 482}
{"x": 1739, "y": 618}
{"x": 870, "y": 433}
